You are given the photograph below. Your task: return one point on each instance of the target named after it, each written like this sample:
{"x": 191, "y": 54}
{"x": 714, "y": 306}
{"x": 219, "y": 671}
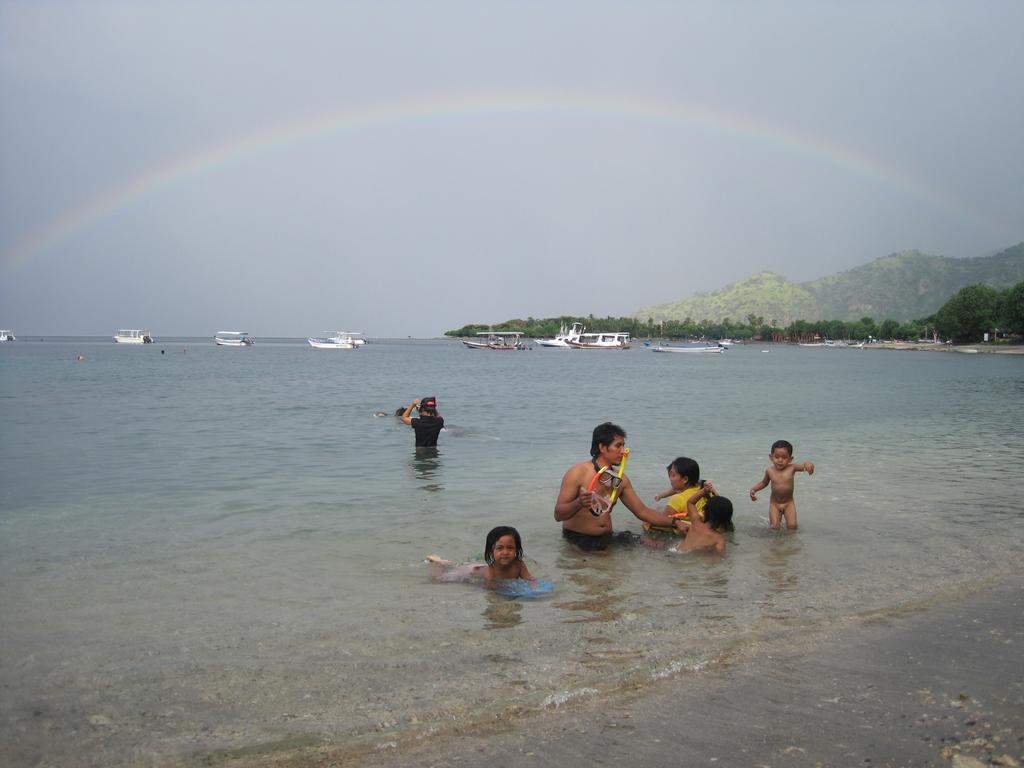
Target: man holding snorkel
{"x": 591, "y": 488}
{"x": 429, "y": 423}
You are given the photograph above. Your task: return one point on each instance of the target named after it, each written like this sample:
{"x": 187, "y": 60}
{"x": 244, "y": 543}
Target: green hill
{"x": 902, "y": 287}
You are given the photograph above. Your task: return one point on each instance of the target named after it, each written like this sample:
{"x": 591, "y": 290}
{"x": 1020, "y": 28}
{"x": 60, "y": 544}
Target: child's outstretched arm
{"x": 809, "y": 467}
{"x": 665, "y": 494}
{"x": 759, "y": 486}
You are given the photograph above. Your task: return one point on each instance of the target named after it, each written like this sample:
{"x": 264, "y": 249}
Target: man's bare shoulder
{"x": 582, "y": 469}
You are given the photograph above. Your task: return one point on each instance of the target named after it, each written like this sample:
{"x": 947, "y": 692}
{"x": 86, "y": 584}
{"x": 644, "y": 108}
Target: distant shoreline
{"x": 984, "y": 349}
{"x": 912, "y": 346}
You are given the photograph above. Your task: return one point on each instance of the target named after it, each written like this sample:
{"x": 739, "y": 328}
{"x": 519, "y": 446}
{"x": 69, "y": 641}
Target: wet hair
{"x": 783, "y": 444}
{"x": 428, "y": 406}
{"x": 604, "y": 434}
{"x": 497, "y": 533}
{"x": 718, "y": 514}
{"x": 686, "y": 467}
{"x": 400, "y": 411}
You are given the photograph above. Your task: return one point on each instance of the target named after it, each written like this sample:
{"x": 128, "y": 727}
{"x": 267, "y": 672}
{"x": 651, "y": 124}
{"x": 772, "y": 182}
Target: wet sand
{"x": 987, "y": 349}
{"x": 937, "y": 684}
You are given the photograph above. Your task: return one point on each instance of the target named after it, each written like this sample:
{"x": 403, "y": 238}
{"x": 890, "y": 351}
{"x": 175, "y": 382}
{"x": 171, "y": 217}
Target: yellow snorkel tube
{"x": 622, "y": 468}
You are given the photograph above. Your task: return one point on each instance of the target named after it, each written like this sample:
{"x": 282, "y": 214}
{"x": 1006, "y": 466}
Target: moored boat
{"x": 563, "y": 338}
{"x": 337, "y": 340}
{"x": 501, "y": 340}
{"x": 133, "y": 336}
{"x": 233, "y": 339}
{"x": 696, "y": 348}
{"x": 6, "y": 336}
{"x": 610, "y": 340}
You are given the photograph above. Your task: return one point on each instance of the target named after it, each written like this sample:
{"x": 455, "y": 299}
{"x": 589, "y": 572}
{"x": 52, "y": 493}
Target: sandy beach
{"x": 933, "y": 684}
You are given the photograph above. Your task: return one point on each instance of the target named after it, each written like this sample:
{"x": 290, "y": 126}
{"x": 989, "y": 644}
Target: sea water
{"x": 209, "y": 549}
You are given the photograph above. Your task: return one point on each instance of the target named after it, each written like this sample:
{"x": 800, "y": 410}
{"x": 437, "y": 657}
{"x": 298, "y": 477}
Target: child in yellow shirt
{"x": 684, "y": 475}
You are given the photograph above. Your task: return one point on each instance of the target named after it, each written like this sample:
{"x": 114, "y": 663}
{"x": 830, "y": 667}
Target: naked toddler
{"x": 780, "y": 475}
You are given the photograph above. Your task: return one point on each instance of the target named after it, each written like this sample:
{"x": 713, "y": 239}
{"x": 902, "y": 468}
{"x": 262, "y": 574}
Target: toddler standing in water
{"x": 780, "y": 475}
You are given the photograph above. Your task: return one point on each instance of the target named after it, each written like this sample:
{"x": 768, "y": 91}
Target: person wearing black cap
{"x": 429, "y": 423}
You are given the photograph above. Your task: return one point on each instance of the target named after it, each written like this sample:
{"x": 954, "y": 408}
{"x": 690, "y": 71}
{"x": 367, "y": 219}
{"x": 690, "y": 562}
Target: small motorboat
{"x": 336, "y": 340}
{"x": 133, "y": 336}
{"x": 715, "y": 349}
{"x": 233, "y": 339}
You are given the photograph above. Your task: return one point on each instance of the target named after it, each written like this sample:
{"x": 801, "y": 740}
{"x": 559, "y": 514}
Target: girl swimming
{"x": 503, "y": 553}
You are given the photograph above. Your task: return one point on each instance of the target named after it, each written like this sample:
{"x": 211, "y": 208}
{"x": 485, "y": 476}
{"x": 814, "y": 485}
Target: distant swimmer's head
{"x": 505, "y": 537}
{"x": 718, "y": 513}
{"x": 686, "y": 470}
{"x": 400, "y": 411}
{"x": 378, "y": 414}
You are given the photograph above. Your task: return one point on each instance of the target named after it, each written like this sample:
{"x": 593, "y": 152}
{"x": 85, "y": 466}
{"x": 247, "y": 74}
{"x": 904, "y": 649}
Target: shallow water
{"x": 207, "y": 548}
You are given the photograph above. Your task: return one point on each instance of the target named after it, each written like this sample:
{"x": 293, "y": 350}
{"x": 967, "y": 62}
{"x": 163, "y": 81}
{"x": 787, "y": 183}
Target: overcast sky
{"x": 400, "y": 168}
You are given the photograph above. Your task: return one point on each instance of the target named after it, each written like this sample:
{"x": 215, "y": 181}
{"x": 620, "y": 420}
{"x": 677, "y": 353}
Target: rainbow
{"x": 470, "y": 106}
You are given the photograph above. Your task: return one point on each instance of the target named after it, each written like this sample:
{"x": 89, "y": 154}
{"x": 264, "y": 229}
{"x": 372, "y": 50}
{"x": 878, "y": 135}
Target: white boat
{"x": 564, "y": 337}
{"x": 696, "y": 348}
{"x": 726, "y": 342}
{"x": 133, "y": 336}
{"x": 503, "y": 340}
{"x": 337, "y": 340}
{"x": 611, "y": 340}
{"x": 233, "y": 339}
{"x": 6, "y": 336}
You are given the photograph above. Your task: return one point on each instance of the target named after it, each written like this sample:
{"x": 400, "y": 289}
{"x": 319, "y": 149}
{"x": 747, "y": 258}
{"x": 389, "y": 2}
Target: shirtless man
{"x": 781, "y": 477}
{"x": 586, "y": 520}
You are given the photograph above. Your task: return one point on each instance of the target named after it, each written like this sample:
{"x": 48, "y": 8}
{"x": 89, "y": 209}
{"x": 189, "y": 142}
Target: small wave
{"x": 559, "y": 699}
{"x": 678, "y": 666}
{"x": 455, "y": 431}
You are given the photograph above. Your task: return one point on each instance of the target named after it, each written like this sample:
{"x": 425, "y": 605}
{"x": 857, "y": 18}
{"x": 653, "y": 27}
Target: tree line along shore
{"x": 976, "y": 313}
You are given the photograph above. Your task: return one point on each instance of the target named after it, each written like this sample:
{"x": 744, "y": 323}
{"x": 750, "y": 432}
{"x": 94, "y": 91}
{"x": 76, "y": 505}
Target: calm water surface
{"x": 206, "y": 548}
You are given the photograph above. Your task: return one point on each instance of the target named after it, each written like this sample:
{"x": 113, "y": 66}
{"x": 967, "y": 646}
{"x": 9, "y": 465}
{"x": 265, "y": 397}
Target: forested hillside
{"x": 902, "y": 287}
